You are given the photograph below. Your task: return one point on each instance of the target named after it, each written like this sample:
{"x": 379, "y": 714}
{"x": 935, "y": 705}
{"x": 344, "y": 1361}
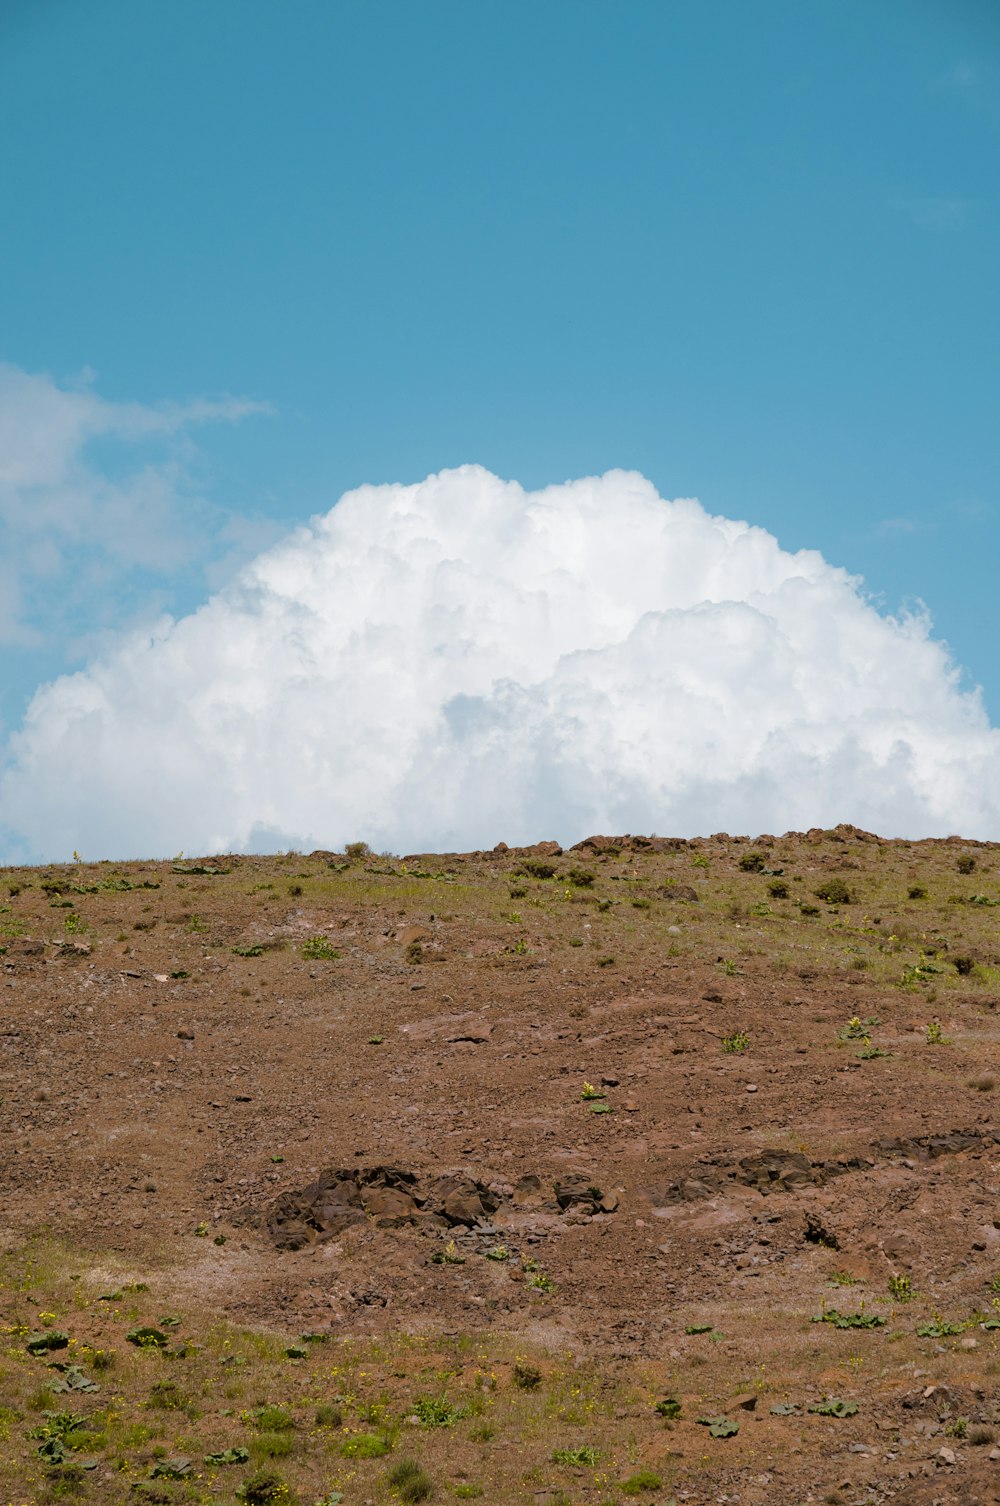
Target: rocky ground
{"x": 715, "y": 1118}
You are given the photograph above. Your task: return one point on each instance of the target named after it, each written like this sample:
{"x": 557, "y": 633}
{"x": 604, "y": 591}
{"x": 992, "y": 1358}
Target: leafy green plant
{"x": 46, "y": 1340}
{"x": 248, "y": 949}
{"x": 848, "y": 1320}
{"x": 720, "y": 1427}
{"x": 841, "y": 1278}
{"x": 736, "y": 1043}
{"x": 916, "y": 973}
{"x": 901, "y": 1288}
{"x": 449, "y": 1255}
{"x": 834, "y": 891}
{"x": 752, "y": 862}
{"x": 935, "y": 1035}
{"x": 669, "y": 1407}
{"x": 147, "y": 1338}
{"x": 71, "y": 1378}
{"x": 584, "y": 1457}
{"x": 235, "y": 1455}
{"x": 320, "y": 949}
{"x": 176, "y": 1468}
{"x": 940, "y": 1328}
{"x": 437, "y": 1412}
{"x": 830, "y": 1406}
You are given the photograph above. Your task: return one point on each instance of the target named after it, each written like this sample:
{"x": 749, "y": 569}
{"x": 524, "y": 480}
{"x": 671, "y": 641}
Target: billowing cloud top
{"x": 448, "y": 664}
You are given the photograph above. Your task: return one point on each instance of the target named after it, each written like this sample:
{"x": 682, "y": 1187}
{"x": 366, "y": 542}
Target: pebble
{"x": 751, "y": 1087}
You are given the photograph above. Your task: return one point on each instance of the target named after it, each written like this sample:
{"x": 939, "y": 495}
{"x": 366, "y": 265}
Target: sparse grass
{"x": 505, "y": 1430}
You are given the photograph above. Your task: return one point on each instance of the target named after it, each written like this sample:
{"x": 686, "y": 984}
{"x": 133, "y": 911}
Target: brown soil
{"x": 174, "y": 1058}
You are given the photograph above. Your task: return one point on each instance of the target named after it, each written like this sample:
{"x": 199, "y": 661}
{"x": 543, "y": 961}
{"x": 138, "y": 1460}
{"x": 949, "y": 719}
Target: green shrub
{"x": 272, "y": 1420}
{"x": 643, "y": 1479}
{"x": 272, "y": 1445}
{"x": 752, "y": 862}
{"x": 834, "y": 891}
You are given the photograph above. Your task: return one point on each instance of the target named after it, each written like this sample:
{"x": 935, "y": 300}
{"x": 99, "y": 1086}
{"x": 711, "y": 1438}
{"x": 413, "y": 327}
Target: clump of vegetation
{"x": 834, "y": 892}
{"x": 736, "y": 1043}
{"x": 528, "y": 1377}
{"x": 538, "y": 868}
{"x": 901, "y": 1288}
{"x": 778, "y": 889}
{"x": 966, "y": 863}
{"x": 410, "y": 1481}
{"x": 642, "y": 1480}
{"x": 265, "y": 1488}
{"x": 916, "y": 891}
{"x": 935, "y": 1035}
{"x": 272, "y": 1419}
{"x": 413, "y": 952}
{"x": 366, "y": 1446}
{"x": 752, "y": 862}
{"x": 963, "y": 966}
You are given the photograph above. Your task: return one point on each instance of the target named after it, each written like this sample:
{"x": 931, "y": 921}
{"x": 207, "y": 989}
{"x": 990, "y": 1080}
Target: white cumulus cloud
{"x": 454, "y": 663}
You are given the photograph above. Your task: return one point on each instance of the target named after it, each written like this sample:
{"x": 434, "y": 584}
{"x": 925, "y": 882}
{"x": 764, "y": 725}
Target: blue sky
{"x": 749, "y": 250}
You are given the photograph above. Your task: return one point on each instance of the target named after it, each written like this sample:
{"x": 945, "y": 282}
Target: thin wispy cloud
{"x": 945, "y": 215}
{"x": 82, "y": 530}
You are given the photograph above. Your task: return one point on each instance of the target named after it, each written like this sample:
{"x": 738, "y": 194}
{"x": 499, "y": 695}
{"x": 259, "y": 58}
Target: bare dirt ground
{"x": 709, "y": 1123}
